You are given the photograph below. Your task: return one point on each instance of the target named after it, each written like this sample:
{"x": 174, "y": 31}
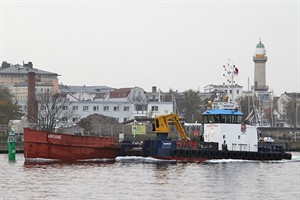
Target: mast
{"x": 230, "y": 72}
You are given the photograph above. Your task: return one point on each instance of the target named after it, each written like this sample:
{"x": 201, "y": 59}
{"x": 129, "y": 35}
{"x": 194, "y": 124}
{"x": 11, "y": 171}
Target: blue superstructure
{"x": 222, "y": 112}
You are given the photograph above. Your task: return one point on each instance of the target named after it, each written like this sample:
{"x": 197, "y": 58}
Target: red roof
{"x": 120, "y": 93}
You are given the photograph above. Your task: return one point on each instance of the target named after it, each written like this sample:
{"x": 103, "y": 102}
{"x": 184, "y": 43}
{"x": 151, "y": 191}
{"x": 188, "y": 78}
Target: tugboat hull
{"x": 188, "y": 152}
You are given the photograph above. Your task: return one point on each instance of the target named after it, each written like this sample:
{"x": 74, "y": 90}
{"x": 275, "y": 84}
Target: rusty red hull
{"x": 65, "y": 147}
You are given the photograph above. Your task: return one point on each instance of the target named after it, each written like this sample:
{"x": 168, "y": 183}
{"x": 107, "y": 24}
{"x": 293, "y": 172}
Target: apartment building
{"x": 15, "y": 78}
{"x": 123, "y": 104}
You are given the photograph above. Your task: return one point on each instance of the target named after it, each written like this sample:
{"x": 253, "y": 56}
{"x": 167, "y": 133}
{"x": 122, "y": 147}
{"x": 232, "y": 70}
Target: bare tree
{"x": 191, "y": 106}
{"x": 51, "y": 110}
{"x": 9, "y": 109}
{"x": 292, "y": 109}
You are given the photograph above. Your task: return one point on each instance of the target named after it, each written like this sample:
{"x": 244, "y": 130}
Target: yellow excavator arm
{"x": 161, "y": 124}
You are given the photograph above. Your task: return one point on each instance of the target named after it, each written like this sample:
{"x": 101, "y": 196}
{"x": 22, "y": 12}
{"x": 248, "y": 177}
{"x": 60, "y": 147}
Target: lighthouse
{"x": 261, "y": 90}
{"x": 260, "y": 60}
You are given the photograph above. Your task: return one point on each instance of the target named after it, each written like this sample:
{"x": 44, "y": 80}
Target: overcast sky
{"x": 177, "y": 45}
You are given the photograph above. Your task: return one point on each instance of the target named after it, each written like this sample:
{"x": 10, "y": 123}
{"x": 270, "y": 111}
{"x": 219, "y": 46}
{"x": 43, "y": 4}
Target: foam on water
{"x": 139, "y": 159}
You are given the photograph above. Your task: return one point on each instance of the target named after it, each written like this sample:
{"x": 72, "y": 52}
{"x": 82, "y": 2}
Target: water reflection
{"x": 145, "y": 178}
{"x": 34, "y": 162}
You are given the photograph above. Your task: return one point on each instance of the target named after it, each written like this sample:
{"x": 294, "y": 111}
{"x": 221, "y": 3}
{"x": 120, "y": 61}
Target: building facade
{"x": 232, "y": 91}
{"x": 15, "y": 78}
{"x": 282, "y": 120}
{"x": 123, "y": 104}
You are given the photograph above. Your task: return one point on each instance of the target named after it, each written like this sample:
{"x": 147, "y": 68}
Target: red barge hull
{"x": 65, "y": 147}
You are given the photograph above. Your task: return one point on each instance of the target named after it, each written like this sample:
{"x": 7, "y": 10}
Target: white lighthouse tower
{"x": 260, "y": 60}
{"x": 260, "y": 89}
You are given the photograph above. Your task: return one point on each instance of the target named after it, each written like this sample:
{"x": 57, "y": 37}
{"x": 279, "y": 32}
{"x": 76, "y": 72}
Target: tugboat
{"x": 226, "y": 135}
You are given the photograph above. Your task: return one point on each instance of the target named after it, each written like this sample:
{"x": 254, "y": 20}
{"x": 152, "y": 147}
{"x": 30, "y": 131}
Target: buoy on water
{"x": 11, "y": 140}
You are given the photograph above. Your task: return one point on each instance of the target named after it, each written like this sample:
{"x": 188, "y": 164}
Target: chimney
{"x": 5, "y": 65}
{"x": 32, "y": 105}
{"x": 30, "y": 65}
{"x": 153, "y": 89}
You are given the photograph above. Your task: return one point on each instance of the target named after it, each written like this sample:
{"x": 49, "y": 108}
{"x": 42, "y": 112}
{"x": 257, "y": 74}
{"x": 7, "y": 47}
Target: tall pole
{"x": 272, "y": 109}
{"x": 248, "y": 98}
{"x": 296, "y": 113}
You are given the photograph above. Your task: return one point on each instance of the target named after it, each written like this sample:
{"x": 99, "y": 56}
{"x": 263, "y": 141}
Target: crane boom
{"x": 161, "y": 125}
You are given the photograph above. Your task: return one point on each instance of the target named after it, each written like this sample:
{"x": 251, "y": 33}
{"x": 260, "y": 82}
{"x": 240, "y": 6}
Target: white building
{"x": 280, "y": 113}
{"x": 233, "y": 91}
{"x": 123, "y": 104}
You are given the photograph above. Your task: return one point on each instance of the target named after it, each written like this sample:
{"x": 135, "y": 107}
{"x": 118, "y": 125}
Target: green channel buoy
{"x": 11, "y": 140}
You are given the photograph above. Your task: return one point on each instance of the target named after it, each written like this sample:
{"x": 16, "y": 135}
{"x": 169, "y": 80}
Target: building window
{"x": 64, "y": 107}
{"x": 126, "y": 108}
{"x": 230, "y": 91}
{"x": 64, "y": 119}
{"x": 75, "y": 119}
{"x": 140, "y": 107}
{"x": 237, "y": 91}
{"x": 125, "y": 119}
{"x": 106, "y": 108}
{"x": 96, "y": 108}
{"x": 116, "y": 108}
{"x": 75, "y": 107}
{"x": 85, "y": 108}
{"x": 154, "y": 108}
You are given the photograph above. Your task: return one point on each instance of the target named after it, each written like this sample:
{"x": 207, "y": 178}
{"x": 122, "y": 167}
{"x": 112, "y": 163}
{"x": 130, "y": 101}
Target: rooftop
{"x": 86, "y": 89}
{"x": 260, "y": 45}
{"x": 23, "y": 69}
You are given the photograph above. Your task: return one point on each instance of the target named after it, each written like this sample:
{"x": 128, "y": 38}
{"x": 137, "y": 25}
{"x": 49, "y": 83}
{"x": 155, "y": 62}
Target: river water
{"x": 146, "y": 178}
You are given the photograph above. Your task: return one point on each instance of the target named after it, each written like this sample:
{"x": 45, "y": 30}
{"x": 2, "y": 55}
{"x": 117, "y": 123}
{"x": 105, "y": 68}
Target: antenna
{"x": 230, "y": 71}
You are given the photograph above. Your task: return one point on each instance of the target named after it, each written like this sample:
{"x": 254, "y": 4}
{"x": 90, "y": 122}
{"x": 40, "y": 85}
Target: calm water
{"x": 149, "y": 179}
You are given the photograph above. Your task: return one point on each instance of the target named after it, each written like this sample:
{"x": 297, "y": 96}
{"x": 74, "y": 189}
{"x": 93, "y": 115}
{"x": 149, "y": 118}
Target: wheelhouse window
{"x": 232, "y": 119}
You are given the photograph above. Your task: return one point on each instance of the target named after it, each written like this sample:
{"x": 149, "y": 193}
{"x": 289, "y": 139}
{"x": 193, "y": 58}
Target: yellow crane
{"x": 162, "y": 128}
